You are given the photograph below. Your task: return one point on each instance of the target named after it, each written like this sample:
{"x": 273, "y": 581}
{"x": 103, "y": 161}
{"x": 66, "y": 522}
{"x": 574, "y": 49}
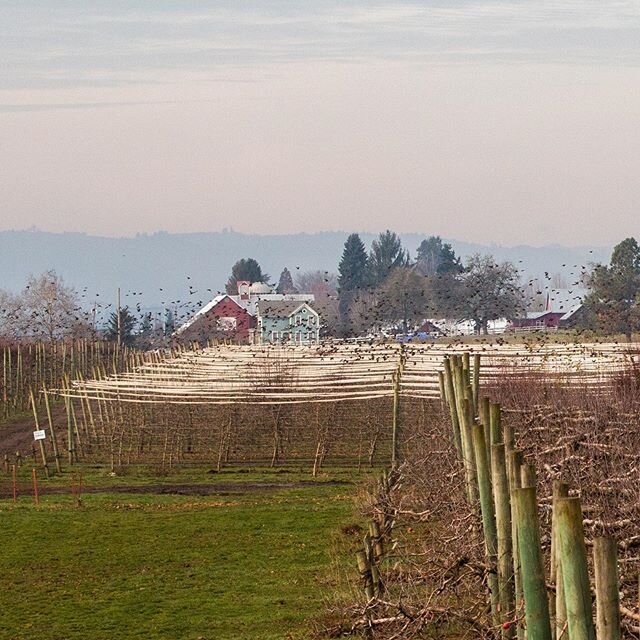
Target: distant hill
{"x": 177, "y": 270}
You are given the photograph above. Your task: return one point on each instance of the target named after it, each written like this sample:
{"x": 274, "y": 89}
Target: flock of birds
{"x": 92, "y": 309}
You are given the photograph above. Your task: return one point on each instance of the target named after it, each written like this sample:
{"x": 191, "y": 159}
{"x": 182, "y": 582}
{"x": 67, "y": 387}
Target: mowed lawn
{"x": 246, "y": 564}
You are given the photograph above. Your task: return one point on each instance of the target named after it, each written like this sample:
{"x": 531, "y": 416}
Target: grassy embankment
{"x": 245, "y": 562}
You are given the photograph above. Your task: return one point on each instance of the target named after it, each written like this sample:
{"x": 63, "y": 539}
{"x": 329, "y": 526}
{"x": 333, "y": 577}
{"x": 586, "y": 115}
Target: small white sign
{"x": 39, "y": 435}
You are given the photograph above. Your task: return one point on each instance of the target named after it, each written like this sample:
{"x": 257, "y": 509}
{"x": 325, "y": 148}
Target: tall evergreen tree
{"x": 352, "y": 275}
{"x": 386, "y": 255}
{"x": 245, "y": 269}
{"x": 146, "y": 326}
{"x": 615, "y": 290}
{"x": 127, "y": 325}
{"x": 435, "y": 257}
{"x": 285, "y": 283}
{"x": 352, "y": 270}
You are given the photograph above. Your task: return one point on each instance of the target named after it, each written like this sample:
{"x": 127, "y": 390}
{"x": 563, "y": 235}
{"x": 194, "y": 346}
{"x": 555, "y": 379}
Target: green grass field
{"x": 244, "y": 563}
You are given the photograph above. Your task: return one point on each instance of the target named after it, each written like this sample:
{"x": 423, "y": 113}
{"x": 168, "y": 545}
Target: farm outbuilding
{"x": 224, "y": 318}
{"x": 235, "y": 317}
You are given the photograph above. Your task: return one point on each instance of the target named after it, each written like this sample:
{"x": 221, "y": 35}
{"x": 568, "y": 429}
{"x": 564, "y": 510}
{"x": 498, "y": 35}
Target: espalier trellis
{"x": 31, "y": 369}
{"x": 276, "y": 403}
{"x": 31, "y": 366}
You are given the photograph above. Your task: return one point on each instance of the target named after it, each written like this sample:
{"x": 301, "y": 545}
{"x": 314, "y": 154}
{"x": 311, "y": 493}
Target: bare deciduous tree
{"x": 49, "y": 309}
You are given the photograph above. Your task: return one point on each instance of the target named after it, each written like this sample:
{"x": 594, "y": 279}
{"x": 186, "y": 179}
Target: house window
{"x": 312, "y": 319}
{"x": 227, "y": 323}
{"x": 298, "y": 320}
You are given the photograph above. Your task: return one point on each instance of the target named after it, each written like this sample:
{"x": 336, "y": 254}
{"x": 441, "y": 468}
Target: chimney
{"x": 243, "y": 289}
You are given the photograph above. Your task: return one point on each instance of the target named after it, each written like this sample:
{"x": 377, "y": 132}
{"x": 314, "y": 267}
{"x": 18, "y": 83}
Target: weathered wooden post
{"x": 54, "y": 439}
{"x": 557, "y": 603}
{"x": 475, "y": 382}
{"x": 34, "y": 478}
{"x": 14, "y": 483}
{"x": 534, "y": 587}
{"x": 453, "y": 409}
{"x": 528, "y": 475}
{"x": 573, "y": 558}
{"x": 514, "y": 462}
{"x": 468, "y": 453}
{"x": 466, "y": 368}
{"x": 488, "y": 517}
{"x": 364, "y": 569}
{"x": 70, "y": 434}
{"x": 395, "y": 436}
{"x": 376, "y": 580}
{"x": 40, "y": 442}
{"x": 605, "y": 560}
{"x": 485, "y": 419}
{"x": 377, "y": 544}
{"x": 503, "y": 530}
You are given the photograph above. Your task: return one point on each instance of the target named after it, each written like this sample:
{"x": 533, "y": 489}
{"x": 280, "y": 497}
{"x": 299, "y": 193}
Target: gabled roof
{"x": 571, "y": 312}
{"x": 251, "y": 304}
{"x": 203, "y": 312}
{"x": 281, "y": 308}
{"x": 535, "y": 315}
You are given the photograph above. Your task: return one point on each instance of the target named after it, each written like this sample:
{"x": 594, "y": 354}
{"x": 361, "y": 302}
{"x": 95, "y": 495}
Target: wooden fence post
{"x": 13, "y": 482}
{"x": 575, "y": 576}
{"x": 503, "y": 529}
{"x": 475, "y": 383}
{"x": 485, "y": 420}
{"x": 54, "y": 439}
{"x": 34, "y": 478}
{"x": 488, "y": 517}
{"x": 395, "y": 436}
{"x": 605, "y": 560}
{"x": 364, "y": 568}
{"x": 528, "y": 475}
{"x": 40, "y": 442}
{"x": 514, "y": 462}
{"x": 559, "y": 610}
{"x": 453, "y": 409}
{"x": 533, "y": 579}
{"x": 468, "y": 453}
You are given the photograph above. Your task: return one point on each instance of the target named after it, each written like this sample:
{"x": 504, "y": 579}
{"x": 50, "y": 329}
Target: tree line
{"x": 384, "y": 286}
{"x": 374, "y": 288}
{"x": 47, "y": 308}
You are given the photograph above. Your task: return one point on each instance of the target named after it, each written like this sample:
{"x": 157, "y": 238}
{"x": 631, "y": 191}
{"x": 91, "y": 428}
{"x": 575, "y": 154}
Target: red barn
{"x": 222, "y": 318}
{"x": 538, "y": 320}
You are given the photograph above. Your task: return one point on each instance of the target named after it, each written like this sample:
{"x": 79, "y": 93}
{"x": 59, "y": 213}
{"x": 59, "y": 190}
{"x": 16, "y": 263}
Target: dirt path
{"x": 16, "y": 434}
{"x": 227, "y": 488}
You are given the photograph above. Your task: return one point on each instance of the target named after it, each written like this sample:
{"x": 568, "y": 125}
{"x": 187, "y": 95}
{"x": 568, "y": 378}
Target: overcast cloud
{"x": 513, "y": 122}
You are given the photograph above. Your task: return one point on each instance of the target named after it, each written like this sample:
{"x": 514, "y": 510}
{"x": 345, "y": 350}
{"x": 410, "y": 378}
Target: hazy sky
{"x": 513, "y": 122}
